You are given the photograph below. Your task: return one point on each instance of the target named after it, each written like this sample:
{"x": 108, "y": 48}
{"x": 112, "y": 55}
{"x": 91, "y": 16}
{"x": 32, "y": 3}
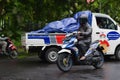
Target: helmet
{"x": 83, "y": 19}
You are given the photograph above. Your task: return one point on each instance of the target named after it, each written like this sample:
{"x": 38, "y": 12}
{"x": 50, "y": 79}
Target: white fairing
{"x": 64, "y": 45}
{"x": 64, "y": 50}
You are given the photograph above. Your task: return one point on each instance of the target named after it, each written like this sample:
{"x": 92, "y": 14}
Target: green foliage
{"x": 18, "y": 16}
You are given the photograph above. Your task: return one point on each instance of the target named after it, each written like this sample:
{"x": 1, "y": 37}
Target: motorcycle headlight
{"x": 63, "y": 46}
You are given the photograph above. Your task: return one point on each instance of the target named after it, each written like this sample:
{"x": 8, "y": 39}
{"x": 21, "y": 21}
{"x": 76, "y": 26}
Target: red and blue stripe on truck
{"x": 52, "y": 39}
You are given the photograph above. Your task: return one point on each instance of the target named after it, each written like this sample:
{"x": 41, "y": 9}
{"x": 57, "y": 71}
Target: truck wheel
{"x": 51, "y": 55}
{"x": 117, "y": 54}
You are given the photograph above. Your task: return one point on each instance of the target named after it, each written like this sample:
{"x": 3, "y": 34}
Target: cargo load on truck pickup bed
{"x": 66, "y": 25}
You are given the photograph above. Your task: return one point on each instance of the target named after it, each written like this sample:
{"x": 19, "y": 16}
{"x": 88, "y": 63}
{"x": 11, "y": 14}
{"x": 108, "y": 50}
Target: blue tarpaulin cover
{"x": 65, "y": 25}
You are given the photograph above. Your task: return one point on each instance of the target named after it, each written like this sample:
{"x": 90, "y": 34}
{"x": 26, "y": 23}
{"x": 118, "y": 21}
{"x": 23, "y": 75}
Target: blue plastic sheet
{"x": 65, "y": 25}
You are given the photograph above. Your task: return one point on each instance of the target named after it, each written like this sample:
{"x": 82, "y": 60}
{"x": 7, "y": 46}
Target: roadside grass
{"x": 23, "y": 54}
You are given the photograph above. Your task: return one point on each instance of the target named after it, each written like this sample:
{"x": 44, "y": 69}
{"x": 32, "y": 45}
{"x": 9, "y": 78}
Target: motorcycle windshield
{"x": 69, "y": 42}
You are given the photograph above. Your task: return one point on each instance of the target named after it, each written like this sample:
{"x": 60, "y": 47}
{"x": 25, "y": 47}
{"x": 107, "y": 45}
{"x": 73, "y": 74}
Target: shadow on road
{"x": 30, "y": 61}
{"x": 110, "y": 59}
{"x": 82, "y": 72}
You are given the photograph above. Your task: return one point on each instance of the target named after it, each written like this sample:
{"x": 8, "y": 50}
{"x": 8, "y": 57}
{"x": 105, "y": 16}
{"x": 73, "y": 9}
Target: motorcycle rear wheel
{"x": 13, "y": 54}
{"x": 99, "y": 63}
{"x": 64, "y": 62}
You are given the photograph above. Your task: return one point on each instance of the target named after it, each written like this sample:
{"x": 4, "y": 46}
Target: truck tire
{"x": 51, "y": 55}
{"x": 117, "y": 53}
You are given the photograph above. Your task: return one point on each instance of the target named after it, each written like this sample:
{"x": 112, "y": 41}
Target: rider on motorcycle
{"x": 84, "y": 35}
{"x": 3, "y": 43}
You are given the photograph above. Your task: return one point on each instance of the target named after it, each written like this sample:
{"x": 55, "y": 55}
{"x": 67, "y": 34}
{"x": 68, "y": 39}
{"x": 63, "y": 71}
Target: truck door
{"x": 105, "y": 26}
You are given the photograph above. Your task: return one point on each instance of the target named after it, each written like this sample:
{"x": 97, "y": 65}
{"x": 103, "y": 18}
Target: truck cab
{"x": 107, "y": 31}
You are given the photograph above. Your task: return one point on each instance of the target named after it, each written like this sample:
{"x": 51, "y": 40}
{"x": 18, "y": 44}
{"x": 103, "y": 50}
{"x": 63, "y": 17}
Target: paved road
{"x": 32, "y": 68}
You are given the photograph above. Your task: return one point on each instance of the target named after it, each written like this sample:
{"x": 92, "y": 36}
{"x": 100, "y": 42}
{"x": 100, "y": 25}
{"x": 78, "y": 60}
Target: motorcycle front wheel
{"x": 13, "y": 54}
{"x": 64, "y": 62}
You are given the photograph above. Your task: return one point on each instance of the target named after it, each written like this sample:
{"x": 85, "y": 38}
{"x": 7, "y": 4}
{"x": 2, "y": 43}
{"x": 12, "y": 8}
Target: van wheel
{"x": 51, "y": 55}
{"x": 117, "y": 53}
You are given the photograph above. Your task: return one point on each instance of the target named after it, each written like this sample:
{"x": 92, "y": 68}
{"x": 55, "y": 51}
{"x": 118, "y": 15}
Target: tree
{"x": 17, "y": 16}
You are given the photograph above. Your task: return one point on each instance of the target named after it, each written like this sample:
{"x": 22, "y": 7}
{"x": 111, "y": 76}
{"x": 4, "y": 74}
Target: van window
{"x": 105, "y": 23}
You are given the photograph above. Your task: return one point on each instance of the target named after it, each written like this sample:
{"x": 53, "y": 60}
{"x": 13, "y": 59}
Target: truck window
{"x": 105, "y": 23}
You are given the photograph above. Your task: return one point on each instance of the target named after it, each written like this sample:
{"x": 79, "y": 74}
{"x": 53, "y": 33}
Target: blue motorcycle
{"x": 69, "y": 55}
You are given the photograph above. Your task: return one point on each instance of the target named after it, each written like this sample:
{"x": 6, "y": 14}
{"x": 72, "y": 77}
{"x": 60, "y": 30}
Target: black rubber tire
{"x": 117, "y": 54}
{"x": 99, "y": 64}
{"x": 13, "y": 54}
{"x": 51, "y": 55}
{"x": 60, "y": 62}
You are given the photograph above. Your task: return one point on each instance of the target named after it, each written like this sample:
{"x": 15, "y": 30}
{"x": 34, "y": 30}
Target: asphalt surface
{"x": 31, "y": 68}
